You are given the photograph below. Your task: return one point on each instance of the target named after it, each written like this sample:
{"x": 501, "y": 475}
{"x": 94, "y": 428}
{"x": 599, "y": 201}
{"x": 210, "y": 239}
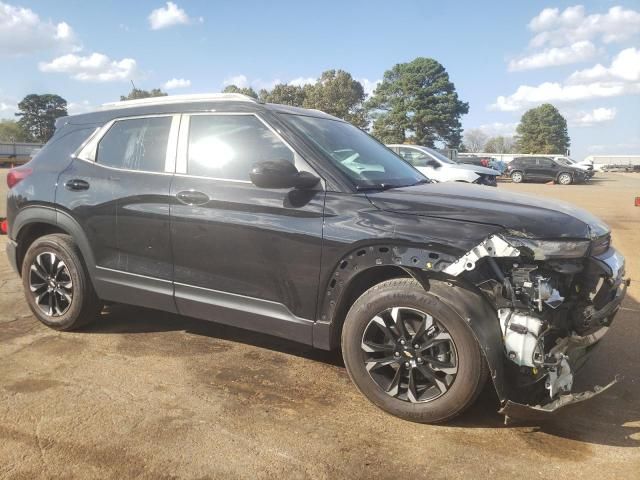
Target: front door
{"x": 243, "y": 255}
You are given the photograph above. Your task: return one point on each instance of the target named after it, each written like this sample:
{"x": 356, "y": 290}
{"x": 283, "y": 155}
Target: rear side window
{"x": 227, "y": 146}
{"x": 136, "y": 144}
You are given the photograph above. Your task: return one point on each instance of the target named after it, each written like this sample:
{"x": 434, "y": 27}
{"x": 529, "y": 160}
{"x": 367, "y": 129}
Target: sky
{"x": 503, "y": 57}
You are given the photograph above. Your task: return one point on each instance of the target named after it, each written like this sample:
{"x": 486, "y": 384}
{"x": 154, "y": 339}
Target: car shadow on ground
{"x": 131, "y": 320}
{"x": 612, "y": 418}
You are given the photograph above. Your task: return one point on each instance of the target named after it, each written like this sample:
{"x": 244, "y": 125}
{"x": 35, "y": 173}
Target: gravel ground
{"x": 144, "y": 394}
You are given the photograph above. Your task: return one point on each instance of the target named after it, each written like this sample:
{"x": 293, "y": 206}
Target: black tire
{"x": 409, "y": 294}
{"x": 565, "y": 179}
{"x": 517, "y": 176}
{"x": 83, "y": 306}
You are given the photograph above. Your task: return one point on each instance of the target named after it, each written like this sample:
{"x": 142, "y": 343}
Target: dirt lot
{"x": 143, "y": 394}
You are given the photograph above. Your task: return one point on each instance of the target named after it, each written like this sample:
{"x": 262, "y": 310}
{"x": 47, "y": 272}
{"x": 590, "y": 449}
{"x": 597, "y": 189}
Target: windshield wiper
{"x": 420, "y": 182}
{"x": 377, "y": 186}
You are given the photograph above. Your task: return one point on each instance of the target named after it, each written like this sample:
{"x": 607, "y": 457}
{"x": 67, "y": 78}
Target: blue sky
{"x": 503, "y": 57}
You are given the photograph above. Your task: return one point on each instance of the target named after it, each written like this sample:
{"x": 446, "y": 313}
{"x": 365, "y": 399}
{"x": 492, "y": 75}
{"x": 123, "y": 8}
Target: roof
{"x": 172, "y": 99}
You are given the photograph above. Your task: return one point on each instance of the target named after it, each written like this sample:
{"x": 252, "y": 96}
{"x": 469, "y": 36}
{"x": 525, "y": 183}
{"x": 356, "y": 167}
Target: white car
{"x": 586, "y": 166}
{"x": 437, "y": 167}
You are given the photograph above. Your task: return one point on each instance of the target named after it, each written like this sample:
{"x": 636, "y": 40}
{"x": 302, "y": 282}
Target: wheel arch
{"x": 34, "y": 222}
{"x": 356, "y": 273}
{"x": 562, "y": 172}
{"x": 361, "y": 269}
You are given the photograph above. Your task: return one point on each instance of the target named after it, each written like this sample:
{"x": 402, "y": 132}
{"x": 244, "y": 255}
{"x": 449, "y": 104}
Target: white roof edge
{"x": 170, "y": 99}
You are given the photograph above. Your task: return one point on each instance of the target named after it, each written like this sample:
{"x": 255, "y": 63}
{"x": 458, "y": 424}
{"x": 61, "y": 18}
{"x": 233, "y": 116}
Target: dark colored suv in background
{"x": 544, "y": 169}
{"x": 226, "y": 209}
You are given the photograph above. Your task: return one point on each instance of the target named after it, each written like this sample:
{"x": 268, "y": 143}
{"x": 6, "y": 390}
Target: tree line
{"x": 416, "y": 102}
{"x": 541, "y": 129}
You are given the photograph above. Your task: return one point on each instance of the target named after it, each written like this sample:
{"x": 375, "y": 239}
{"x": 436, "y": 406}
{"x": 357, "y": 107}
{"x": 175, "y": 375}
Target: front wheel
{"x": 411, "y": 354}
{"x": 564, "y": 179}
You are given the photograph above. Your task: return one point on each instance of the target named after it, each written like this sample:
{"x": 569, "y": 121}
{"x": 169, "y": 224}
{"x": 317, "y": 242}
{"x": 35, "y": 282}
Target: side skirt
{"x": 240, "y": 311}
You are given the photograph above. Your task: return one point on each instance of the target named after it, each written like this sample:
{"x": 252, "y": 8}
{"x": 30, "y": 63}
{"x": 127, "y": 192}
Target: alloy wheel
{"x": 409, "y": 354}
{"x": 516, "y": 177}
{"x": 565, "y": 179}
{"x": 50, "y": 284}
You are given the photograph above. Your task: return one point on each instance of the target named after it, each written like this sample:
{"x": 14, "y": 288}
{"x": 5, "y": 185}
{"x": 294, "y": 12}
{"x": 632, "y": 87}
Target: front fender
{"x": 478, "y": 313}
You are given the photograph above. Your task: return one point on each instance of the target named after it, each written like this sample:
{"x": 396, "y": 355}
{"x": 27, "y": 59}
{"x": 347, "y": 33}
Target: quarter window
{"x": 227, "y": 146}
{"x": 136, "y": 144}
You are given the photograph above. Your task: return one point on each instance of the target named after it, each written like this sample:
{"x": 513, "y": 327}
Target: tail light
{"x": 4, "y": 227}
{"x": 16, "y": 175}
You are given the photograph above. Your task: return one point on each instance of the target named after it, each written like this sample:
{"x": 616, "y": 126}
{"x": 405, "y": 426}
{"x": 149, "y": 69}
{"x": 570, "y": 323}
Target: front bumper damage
{"x": 538, "y": 366}
{"x": 536, "y": 412}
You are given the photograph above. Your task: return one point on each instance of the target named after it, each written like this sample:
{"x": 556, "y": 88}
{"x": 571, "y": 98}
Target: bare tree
{"x": 474, "y": 140}
{"x": 500, "y": 144}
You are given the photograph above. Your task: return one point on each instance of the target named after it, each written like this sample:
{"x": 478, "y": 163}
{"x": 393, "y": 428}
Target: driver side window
{"x": 414, "y": 157}
{"x": 227, "y": 146}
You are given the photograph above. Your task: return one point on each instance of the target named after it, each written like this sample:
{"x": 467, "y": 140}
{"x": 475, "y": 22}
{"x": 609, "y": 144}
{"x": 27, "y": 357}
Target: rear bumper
{"x": 11, "y": 250}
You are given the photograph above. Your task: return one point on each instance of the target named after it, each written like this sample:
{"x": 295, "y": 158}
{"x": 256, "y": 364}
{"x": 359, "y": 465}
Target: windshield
{"x": 436, "y": 154}
{"x": 368, "y": 163}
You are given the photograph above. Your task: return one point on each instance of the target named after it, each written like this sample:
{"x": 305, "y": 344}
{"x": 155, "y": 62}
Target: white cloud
{"x": 177, "y": 83}
{"x": 554, "y": 27}
{"x": 169, "y": 16}
{"x": 239, "y": 81}
{"x": 551, "y": 57}
{"x": 76, "y": 108}
{"x": 625, "y": 66}
{"x": 302, "y": 81}
{"x": 22, "y": 32}
{"x": 527, "y": 95}
{"x": 498, "y": 128}
{"x": 96, "y": 67}
{"x": 593, "y": 117}
{"x": 369, "y": 86}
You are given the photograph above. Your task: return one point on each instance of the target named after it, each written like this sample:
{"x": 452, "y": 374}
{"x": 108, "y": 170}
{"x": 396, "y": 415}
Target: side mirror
{"x": 281, "y": 174}
{"x": 433, "y": 163}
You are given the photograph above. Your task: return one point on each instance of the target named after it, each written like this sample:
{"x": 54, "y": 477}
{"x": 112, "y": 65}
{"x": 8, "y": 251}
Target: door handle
{"x": 77, "y": 185}
{"x": 191, "y": 197}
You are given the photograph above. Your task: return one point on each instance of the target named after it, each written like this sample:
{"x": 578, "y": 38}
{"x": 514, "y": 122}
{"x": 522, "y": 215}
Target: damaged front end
{"x": 555, "y": 301}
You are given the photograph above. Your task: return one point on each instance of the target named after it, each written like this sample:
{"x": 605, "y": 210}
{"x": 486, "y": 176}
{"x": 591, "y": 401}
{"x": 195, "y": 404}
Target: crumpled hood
{"x": 519, "y": 214}
{"x": 475, "y": 168}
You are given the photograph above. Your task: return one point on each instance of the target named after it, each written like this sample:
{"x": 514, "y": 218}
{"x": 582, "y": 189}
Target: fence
{"x": 17, "y": 153}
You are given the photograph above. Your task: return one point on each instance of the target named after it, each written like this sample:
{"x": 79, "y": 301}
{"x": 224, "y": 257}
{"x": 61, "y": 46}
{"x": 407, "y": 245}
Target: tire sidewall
{"x": 71, "y": 260}
{"x": 517, "y": 175}
{"x": 463, "y": 389}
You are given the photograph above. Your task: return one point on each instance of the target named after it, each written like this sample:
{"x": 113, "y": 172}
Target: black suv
{"x": 297, "y": 224}
{"x": 545, "y": 169}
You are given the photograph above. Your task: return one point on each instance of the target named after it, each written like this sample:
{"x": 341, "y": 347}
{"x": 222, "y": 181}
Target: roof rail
{"x": 189, "y": 98}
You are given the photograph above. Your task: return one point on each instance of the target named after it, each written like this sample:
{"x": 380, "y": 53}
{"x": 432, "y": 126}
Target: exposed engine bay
{"x": 555, "y": 300}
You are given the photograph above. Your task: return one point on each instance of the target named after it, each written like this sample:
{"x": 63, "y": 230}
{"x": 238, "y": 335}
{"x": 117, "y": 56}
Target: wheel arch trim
{"x": 416, "y": 262}
{"x": 43, "y": 214}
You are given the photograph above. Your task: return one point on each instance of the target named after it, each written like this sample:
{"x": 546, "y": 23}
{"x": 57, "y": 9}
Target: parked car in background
{"x": 544, "y": 169}
{"x": 441, "y": 169}
{"x": 587, "y": 167}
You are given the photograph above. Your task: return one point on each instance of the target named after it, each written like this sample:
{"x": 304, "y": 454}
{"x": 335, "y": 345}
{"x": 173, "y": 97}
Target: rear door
{"x": 130, "y": 166}
{"x": 243, "y": 255}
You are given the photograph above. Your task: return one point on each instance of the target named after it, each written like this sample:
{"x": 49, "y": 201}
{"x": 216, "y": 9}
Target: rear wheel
{"x": 411, "y": 354}
{"x": 56, "y": 284}
{"x": 517, "y": 177}
{"x": 564, "y": 179}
